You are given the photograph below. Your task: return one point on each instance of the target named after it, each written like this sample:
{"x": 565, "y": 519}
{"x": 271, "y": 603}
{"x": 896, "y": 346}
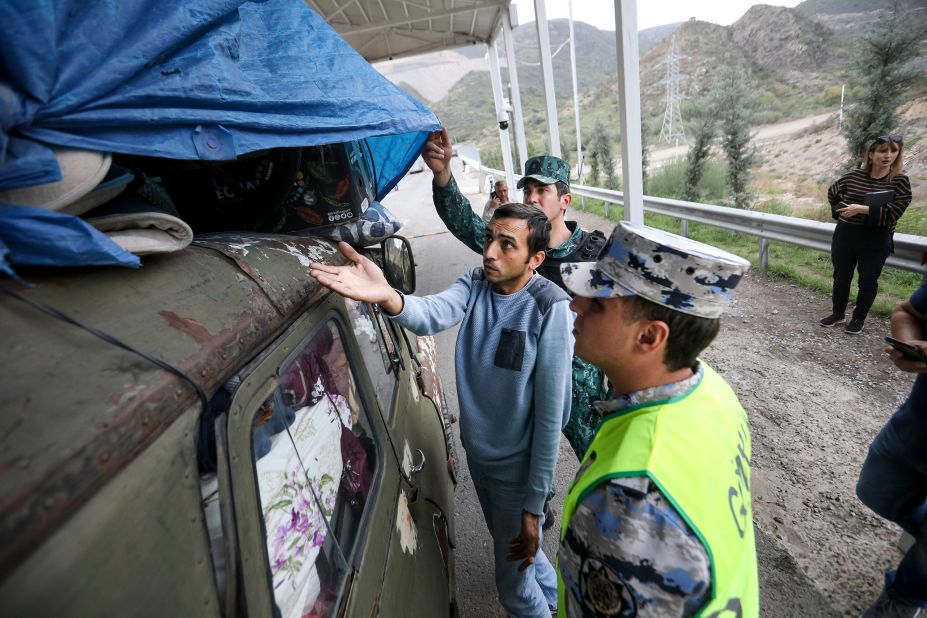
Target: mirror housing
{"x": 398, "y": 265}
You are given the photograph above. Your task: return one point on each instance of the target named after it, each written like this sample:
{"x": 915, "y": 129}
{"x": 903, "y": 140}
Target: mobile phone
{"x": 909, "y": 351}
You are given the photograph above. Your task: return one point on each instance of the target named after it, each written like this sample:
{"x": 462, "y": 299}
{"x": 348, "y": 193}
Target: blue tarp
{"x": 25, "y": 234}
{"x": 211, "y": 79}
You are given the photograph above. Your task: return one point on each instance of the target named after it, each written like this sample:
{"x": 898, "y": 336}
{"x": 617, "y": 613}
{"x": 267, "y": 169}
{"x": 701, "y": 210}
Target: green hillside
{"x": 811, "y": 8}
{"x": 795, "y": 61}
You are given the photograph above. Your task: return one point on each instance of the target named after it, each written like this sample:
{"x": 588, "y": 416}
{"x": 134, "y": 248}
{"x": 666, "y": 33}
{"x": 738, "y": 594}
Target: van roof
{"x": 74, "y": 409}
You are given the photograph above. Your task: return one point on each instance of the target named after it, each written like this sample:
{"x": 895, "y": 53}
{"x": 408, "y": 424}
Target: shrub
{"x": 670, "y": 180}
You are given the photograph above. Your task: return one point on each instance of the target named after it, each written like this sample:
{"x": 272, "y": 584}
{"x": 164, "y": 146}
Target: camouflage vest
{"x": 586, "y": 251}
{"x": 696, "y": 449}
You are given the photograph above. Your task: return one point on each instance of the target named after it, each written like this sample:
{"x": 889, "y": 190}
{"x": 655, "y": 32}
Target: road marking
{"x": 422, "y": 235}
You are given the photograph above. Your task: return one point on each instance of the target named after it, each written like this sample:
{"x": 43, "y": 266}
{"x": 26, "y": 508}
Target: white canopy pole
{"x": 517, "y": 115}
{"x": 501, "y": 116}
{"x": 629, "y": 99}
{"x": 579, "y": 140}
{"x": 547, "y": 71}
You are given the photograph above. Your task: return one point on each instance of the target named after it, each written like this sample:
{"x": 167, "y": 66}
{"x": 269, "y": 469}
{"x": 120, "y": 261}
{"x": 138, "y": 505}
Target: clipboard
{"x": 879, "y": 198}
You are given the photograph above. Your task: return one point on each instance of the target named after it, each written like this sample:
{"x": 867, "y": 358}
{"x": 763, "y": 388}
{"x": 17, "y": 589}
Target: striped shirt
{"x": 852, "y": 189}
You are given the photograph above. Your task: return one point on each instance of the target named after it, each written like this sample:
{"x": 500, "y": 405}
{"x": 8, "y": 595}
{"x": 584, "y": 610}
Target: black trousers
{"x": 858, "y": 247}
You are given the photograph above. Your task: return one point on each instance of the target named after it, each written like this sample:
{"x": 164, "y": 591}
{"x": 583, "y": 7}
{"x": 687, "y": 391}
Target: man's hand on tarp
{"x": 437, "y": 155}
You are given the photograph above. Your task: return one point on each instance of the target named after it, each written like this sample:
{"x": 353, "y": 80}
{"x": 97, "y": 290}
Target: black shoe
{"x": 549, "y": 516}
{"x": 890, "y": 605}
{"x": 855, "y": 327}
{"x": 831, "y": 320}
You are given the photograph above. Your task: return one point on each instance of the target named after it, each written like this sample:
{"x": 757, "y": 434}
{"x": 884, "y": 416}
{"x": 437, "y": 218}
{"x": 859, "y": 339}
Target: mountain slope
{"x": 796, "y": 63}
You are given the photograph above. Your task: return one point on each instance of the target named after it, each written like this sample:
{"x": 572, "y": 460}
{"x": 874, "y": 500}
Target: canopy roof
{"x": 389, "y": 29}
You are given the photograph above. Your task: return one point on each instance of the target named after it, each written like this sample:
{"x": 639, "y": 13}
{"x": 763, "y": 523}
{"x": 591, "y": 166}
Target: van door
{"x": 418, "y": 434}
{"x": 321, "y": 509}
{"x": 419, "y": 579}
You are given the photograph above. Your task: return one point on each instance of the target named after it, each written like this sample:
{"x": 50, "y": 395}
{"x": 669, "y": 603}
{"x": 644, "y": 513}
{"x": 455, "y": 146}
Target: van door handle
{"x": 419, "y": 466}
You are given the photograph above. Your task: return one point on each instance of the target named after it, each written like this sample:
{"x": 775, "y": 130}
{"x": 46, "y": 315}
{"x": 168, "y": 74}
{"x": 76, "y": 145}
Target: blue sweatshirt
{"x": 513, "y": 366}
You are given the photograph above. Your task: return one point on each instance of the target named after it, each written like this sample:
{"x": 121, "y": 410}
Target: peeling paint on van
{"x": 306, "y": 254}
{"x": 413, "y": 386}
{"x": 361, "y": 323}
{"x": 407, "y": 458}
{"x": 405, "y": 525}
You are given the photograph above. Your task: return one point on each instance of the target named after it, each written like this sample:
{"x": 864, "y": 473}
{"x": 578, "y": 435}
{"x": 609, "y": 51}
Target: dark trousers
{"x": 862, "y": 247}
{"x": 893, "y": 483}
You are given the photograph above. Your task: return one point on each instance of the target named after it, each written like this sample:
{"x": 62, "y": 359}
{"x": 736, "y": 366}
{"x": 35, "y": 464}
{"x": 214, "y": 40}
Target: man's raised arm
{"x": 452, "y": 206}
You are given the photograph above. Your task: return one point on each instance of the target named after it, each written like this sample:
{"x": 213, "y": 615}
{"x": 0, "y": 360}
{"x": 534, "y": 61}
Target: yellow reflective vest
{"x": 696, "y": 449}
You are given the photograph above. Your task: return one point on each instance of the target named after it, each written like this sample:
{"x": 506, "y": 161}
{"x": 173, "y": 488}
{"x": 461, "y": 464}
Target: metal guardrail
{"x": 910, "y": 250}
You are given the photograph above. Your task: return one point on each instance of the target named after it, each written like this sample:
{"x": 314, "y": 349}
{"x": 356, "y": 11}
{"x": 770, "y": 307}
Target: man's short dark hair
{"x": 538, "y": 225}
{"x": 500, "y": 183}
{"x": 688, "y": 334}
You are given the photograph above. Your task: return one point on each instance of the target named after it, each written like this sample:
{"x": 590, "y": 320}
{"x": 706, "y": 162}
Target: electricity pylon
{"x": 672, "y": 130}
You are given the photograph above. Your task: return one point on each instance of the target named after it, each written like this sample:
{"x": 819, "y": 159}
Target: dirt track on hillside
{"x": 660, "y": 154}
{"x": 816, "y": 397}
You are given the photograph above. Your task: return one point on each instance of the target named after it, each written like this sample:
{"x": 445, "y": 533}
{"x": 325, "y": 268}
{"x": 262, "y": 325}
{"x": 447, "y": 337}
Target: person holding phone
{"x": 863, "y": 237}
{"x": 893, "y": 481}
{"x": 498, "y": 197}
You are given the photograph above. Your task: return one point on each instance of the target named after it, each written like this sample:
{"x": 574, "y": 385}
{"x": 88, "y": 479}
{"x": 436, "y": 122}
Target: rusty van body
{"x": 245, "y": 443}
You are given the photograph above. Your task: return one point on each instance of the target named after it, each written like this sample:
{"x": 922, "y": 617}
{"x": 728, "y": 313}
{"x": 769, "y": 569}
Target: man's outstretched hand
{"x": 525, "y": 546}
{"x": 437, "y": 155}
{"x": 361, "y": 280}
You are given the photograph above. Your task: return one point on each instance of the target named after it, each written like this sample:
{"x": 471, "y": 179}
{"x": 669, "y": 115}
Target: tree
{"x": 492, "y": 158}
{"x": 601, "y": 147}
{"x": 645, "y": 158}
{"x": 595, "y": 164}
{"x": 880, "y": 70}
{"x": 735, "y": 110}
{"x": 702, "y": 122}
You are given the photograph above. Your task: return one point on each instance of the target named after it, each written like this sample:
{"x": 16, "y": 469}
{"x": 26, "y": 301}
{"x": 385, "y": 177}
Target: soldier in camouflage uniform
{"x": 658, "y": 521}
{"x": 546, "y": 185}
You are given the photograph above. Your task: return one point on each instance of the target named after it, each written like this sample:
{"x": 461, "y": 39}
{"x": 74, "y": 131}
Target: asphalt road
{"x": 440, "y": 259}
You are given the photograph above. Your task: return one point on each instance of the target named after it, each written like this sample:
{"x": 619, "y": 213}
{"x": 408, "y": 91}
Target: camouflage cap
{"x": 670, "y": 270}
{"x": 547, "y": 170}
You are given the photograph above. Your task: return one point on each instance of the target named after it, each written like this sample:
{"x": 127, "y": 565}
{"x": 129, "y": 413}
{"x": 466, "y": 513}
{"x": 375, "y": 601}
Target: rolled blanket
{"x": 140, "y": 227}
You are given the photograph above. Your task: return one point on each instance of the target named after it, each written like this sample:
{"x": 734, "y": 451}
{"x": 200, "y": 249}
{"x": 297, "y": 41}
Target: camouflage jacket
{"x": 627, "y": 551}
{"x": 588, "y": 384}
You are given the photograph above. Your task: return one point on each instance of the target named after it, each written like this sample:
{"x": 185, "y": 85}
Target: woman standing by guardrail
{"x": 867, "y": 203}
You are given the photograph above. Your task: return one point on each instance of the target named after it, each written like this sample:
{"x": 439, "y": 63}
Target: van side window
{"x": 367, "y": 328}
{"x": 315, "y": 462}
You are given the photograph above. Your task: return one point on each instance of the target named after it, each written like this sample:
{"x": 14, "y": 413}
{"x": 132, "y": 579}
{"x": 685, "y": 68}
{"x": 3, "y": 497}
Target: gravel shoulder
{"x": 815, "y": 397}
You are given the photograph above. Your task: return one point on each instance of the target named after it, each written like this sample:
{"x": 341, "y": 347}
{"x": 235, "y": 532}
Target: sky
{"x": 650, "y": 13}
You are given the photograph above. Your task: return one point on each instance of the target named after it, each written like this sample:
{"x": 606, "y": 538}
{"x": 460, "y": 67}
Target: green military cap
{"x": 547, "y": 170}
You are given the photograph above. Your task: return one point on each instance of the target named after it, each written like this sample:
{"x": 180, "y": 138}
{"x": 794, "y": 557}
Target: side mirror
{"x": 398, "y": 266}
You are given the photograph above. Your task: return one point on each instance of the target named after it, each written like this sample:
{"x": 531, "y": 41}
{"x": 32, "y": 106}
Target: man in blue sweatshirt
{"x": 513, "y": 361}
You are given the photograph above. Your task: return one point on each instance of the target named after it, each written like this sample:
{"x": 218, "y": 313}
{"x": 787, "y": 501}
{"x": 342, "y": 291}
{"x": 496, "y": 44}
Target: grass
{"x": 806, "y": 267}
{"x": 669, "y": 181}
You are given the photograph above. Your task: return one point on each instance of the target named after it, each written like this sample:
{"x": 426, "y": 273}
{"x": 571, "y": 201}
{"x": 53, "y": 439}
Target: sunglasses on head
{"x": 889, "y": 138}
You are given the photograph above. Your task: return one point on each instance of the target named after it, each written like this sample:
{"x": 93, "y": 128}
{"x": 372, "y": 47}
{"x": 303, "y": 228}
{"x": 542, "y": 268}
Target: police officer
{"x": 658, "y": 521}
{"x": 546, "y": 185}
